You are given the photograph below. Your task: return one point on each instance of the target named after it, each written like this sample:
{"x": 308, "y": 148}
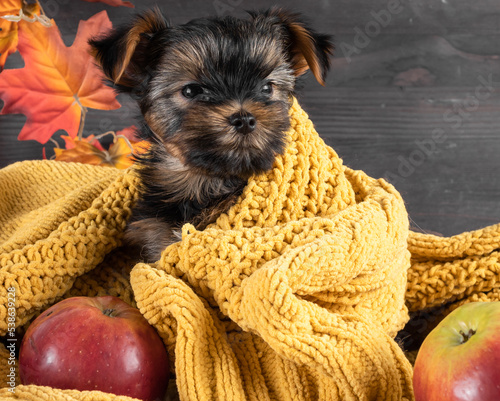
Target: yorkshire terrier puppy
{"x": 214, "y": 95}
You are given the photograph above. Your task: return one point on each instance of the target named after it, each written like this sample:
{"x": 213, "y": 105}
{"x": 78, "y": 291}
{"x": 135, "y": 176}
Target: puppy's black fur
{"x": 214, "y": 95}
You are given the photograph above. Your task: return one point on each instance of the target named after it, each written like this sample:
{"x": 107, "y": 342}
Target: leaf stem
{"x": 126, "y": 140}
{"x": 97, "y": 137}
{"x": 82, "y": 121}
{"x": 42, "y": 11}
{"x": 54, "y": 142}
{"x": 16, "y": 18}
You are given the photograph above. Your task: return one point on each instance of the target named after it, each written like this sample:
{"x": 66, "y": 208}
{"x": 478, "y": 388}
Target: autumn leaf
{"x": 58, "y": 83}
{"x": 138, "y": 146}
{"x": 120, "y": 153}
{"x": 10, "y": 9}
{"x": 125, "y": 145}
{"x": 114, "y": 3}
{"x": 81, "y": 151}
{"x": 89, "y": 150}
{"x": 8, "y": 40}
{"x": 130, "y": 133}
{"x": 70, "y": 143}
{"x": 8, "y": 29}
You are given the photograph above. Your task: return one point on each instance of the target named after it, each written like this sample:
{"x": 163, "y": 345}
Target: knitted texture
{"x": 296, "y": 293}
{"x": 463, "y": 268}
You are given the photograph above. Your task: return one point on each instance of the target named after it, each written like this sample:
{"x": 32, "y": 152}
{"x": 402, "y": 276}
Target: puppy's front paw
{"x": 150, "y": 237}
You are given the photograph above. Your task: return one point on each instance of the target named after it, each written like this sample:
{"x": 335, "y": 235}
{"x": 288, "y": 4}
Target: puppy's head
{"x": 215, "y": 92}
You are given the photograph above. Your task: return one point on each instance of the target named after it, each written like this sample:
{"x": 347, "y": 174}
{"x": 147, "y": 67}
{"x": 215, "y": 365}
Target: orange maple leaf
{"x": 80, "y": 151}
{"x": 8, "y": 40}
{"x": 120, "y": 153}
{"x": 70, "y": 143}
{"x": 114, "y": 3}
{"x": 89, "y": 150}
{"x": 138, "y": 146}
{"x": 8, "y": 29}
{"x": 10, "y": 9}
{"x": 57, "y": 83}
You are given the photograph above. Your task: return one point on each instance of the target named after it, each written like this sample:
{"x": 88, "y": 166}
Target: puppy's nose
{"x": 244, "y": 122}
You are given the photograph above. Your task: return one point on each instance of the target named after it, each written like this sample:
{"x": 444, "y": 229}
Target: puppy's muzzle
{"x": 243, "y": 122}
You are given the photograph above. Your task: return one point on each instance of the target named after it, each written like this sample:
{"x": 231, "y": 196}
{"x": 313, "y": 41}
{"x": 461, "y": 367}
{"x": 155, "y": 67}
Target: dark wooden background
{"x": 413, "y": 96}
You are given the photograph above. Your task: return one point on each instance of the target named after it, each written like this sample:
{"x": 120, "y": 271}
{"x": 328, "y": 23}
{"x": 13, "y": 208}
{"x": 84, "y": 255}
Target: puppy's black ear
{"x": 125, "y": 54}
{"x": 306, "y": 48}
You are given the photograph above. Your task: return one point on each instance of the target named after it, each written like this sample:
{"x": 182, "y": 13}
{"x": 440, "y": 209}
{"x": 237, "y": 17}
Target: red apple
{"x": 460, "y": 359}
{"x": 97, "y": 343}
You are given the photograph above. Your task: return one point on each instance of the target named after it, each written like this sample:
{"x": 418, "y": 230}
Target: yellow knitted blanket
{"x": 295, "y": 294}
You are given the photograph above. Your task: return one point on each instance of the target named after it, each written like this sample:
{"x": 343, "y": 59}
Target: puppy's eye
{"x": 192, "y": 90}
{"x": 267, "y": 89}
